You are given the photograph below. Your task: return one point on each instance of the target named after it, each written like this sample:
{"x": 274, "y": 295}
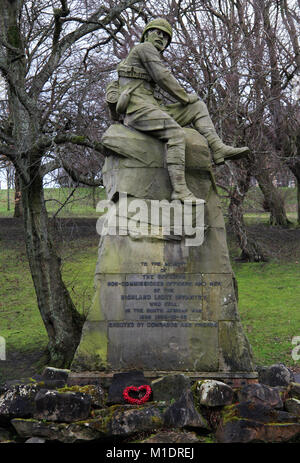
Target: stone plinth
{"x": 159, "y": 304}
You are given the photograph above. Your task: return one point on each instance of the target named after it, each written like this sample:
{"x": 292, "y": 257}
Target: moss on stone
{"x": 104, "y": 419}
{"x": 88, "y": 389}
{"x": 26, "y": 419}
{"x": 78, "y": 139}
{"x": 194, "y": 389}
{"x": 92, "y": 352}
{"x": 41, "y": 384}
{"x": 95, "y": 312}
{"x": 210, "y": 439}
{"x": 229, "y": 413}
{"x": 236, "y": 352}
{"x": 157, "y": 421}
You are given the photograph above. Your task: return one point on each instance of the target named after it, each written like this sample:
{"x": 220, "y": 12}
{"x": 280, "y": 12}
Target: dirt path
{"x": 11, "y": 229}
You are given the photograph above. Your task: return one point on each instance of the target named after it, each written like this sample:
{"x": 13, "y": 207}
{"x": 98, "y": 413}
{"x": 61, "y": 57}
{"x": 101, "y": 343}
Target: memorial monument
{"x": 166, "y": 296}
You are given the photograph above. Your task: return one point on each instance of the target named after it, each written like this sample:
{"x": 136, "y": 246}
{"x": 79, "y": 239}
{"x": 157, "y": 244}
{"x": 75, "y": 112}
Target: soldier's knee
{"x": 177, "y": 137}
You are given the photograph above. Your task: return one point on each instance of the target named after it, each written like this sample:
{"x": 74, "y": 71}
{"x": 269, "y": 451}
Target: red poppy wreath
{"x": 141, "y": 400}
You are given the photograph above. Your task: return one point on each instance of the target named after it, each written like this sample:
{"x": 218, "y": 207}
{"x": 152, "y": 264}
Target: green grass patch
{"x": 20, "y": 321}
{"x": 269, "y": 295}
{"x": 82, "y": 203}
{"x": 253, "y": 202}
{"x": 4, "y": 212}
{"x": 264, "y": 217}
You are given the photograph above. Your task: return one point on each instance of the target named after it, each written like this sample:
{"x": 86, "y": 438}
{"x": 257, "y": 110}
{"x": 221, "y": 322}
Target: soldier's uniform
{"x": 138, "y": 74}
{"x": 145, "y": 112}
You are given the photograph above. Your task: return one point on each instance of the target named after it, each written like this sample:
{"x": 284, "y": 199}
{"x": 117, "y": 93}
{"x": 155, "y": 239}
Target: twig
{"x": 63, "y": 205}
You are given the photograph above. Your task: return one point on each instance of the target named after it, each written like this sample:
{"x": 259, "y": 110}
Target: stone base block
{"x": 234, "y": 379}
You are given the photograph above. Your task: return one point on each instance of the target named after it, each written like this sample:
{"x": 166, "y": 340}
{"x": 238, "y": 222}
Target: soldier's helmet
{"x": 159, "y": 23}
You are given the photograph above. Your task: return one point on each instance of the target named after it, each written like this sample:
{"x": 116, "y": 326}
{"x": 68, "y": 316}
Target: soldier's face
{"x": 158, "y": 38}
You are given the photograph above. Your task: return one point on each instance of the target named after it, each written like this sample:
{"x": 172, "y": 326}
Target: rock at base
{"x": 5, "y": 435}
{"x": 135, "y": 420}
{"x": 247, "y": 422}
{"x": 64, "y": 407}
{"x": 18, "y": 401}
{"x": 294, "y": 390}
{"x": 114, "y": 421}
{"x": 175, "y": 437}
{"x": 213, "y": 393}
{"x": 60, "y": 432}
{"x": 260, "y": 394}
{"x": 122, "y": 380}
{"x": 275, "y": 375}
{"x": 184, "y": 414}
{"x": 51, "y": 373}
{"x": 170, "y": 387}
{"x": 35, "y": 440}
{"x": 293, "y": 406}
{"x": 244, "y": 431}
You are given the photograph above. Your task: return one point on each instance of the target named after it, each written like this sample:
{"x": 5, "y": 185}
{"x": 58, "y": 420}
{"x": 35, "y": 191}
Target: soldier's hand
{"x": 193, "y": 97}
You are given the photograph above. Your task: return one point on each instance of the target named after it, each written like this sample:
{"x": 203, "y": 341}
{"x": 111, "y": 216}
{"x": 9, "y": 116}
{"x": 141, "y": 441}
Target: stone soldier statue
{"x": 138, "y": 75}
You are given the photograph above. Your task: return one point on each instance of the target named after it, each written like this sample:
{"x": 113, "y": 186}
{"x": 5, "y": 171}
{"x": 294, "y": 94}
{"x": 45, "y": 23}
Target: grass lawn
{"x": 269, "y": 306}
{"x": 20, "y": 321}
{"x": 82, "y": 203}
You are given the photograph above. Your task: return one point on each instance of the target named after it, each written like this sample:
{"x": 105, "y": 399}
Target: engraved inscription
{"x": 164, "y": 297}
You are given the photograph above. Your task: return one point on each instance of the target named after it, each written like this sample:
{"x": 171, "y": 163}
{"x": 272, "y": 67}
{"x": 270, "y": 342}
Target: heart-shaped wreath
{"x": 138, "y": 401}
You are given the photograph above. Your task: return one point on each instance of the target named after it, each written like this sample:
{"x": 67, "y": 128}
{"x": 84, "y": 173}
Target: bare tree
{"x": 241, "y": 58}
{"x": 43, "y": 45}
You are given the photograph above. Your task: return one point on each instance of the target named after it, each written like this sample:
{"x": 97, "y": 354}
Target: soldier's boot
{"x": 177, "y": 177}
{"x": 220, "y": 151}
{"x": 175, "y": 158}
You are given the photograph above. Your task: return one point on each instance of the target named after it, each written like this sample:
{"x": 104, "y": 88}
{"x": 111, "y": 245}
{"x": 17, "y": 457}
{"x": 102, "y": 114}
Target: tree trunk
{"x": 63, "y": 323}
{"x": 251, "y": 251}
{"x": 8, "y": 188}
{"x": 298, "y": 201}
{"x": 295, "y": 168}
{"x": 94, "y": 197}
{"x": 18, "y": 212}
{"x": 273, "y": 199}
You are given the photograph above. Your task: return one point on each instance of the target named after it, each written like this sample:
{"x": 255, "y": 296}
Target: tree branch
{"x": 77, "y": 177}
{"x": 21, "y": 94}
{"x": 73, "y": 173}
{"x": 58, "y": 14}
{"x": 6, "y": 138}
{"x": 7, "y": 45}
{"x": 8, "y": 152}
{"x": 49, "y": 167}
{"x": 46, "y": 142}
{"x": 65, "y": 202}
{"x": 92, "y": 24}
